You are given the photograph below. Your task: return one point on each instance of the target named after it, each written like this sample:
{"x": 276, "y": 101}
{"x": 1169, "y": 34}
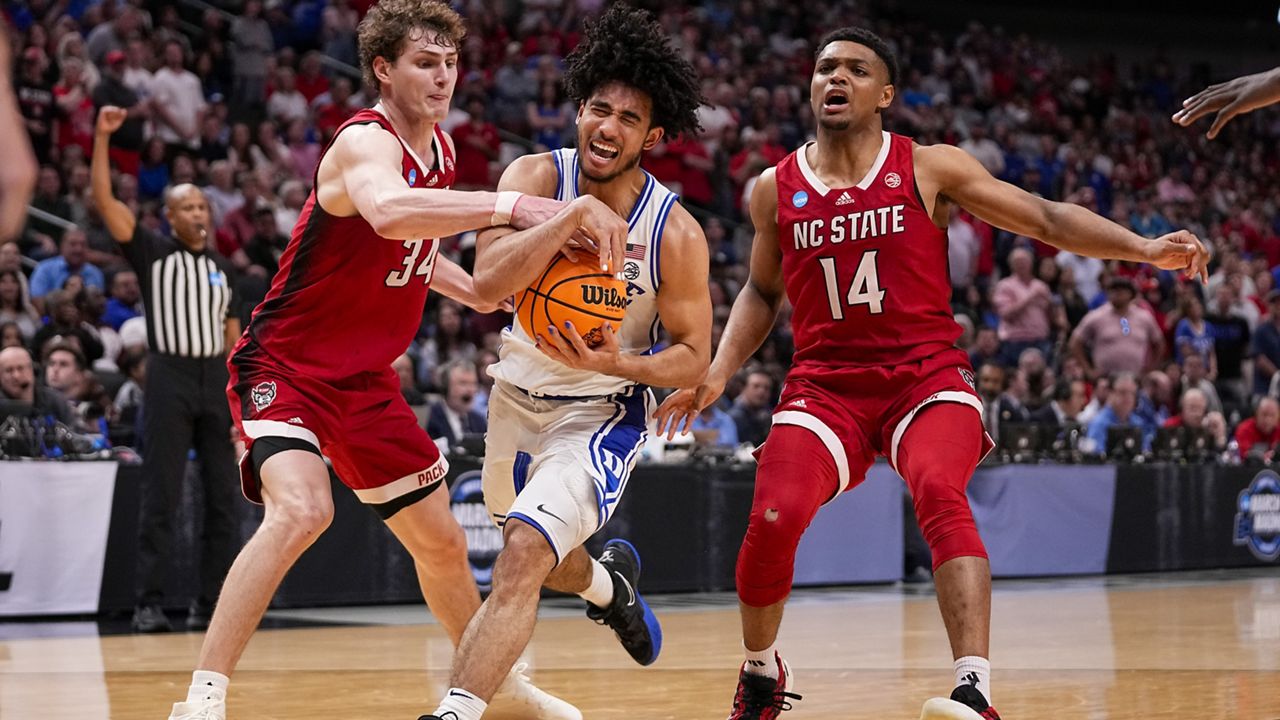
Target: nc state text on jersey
{"x": 857, "y": 225}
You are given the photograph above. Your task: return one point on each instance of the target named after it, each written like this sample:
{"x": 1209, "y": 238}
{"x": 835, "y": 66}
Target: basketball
{"x": 579, "y": 293}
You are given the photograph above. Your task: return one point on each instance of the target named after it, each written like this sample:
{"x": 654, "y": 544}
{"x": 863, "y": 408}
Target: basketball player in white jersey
{"x": 566, "y": 421}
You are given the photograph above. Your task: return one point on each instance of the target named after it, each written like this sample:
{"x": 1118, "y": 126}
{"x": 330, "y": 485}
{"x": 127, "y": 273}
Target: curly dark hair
{"x": 390, "y": 23}
{"x": 627, "y": 45}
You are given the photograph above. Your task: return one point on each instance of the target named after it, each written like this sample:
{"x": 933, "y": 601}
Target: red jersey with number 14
{"x": 865, "y": 267}
{"x": 347, "y": 300}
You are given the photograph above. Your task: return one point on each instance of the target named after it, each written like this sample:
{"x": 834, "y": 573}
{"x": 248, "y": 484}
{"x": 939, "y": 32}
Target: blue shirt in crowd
{"x": 52, "y": 274}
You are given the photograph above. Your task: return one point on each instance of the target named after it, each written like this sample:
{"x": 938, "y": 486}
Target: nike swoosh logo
{"x": 630, "y": 592}
{"x": 455, "y": 693}
{"x": 543, "y": 509}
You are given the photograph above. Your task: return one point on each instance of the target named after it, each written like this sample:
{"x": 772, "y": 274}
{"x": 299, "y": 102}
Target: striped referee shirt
{"x": 187, "y": 294}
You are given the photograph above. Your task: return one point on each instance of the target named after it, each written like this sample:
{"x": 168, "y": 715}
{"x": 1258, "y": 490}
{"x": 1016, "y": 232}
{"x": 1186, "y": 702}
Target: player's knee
{"x": 766, "y": 562}
{"x": 303, "y": 517}
{"x": 526, "y": 558}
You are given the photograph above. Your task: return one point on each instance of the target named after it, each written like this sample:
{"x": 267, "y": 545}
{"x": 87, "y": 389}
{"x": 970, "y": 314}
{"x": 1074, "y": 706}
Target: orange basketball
{"x": 579, "y": 293}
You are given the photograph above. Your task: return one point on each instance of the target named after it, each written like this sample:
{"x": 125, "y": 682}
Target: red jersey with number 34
{"x": 865, "y": 267}
{"x": 347, "y": 300}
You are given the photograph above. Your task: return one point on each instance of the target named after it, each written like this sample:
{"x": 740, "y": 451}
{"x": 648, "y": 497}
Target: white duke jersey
{"x": 523, "y": 365}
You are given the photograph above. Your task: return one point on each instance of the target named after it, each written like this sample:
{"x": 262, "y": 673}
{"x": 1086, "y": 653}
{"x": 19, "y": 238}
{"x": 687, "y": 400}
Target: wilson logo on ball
{"x": 608, "y": 297}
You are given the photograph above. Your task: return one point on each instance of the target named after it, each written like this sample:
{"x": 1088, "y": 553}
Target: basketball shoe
{"x": 534, "y": 702}
{"x": 212, "y": 707}
{"x": 966, "y": 703}
{"x": 629, "y": 615}
{"x": 760, "y": 697}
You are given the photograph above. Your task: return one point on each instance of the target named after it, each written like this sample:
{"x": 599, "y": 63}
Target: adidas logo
{"x": 799, "y": 403}
{"x": 295, "y": 421}
{"x": 845, "y": 199}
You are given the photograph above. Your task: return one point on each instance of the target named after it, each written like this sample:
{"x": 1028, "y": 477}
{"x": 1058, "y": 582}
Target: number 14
{"x": 864, "y": 290}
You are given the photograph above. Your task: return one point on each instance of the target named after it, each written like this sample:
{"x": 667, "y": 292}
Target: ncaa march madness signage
{"x": 1258, "y": 517}
{"x": 484, "y": 539}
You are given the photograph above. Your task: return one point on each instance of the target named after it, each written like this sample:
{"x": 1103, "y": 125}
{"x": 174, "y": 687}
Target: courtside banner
{"x": 54, "y": 518}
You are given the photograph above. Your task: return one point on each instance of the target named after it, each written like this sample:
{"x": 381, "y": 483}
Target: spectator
{"x": 35, "y": 101}
{"x": 1023, "y": 303}
{"x": 448, "y": 343}
{"x": 67, "y": 325}
{"x": 252, "y": 46}
{"x": 986, "y": 347}
{"x": 477, "y": 143}
{"x": 266, "y": 247}
{"x": 1037, "y": 377}
{"x": 1120, "y": 411}
{"x": 128, "y": 400}
{"x": 1118, "y": 337}
{"x": 72, "y": 95}
{"x": 153, "y": 170}
{"x": 18, "y": 382}
{"x": 1266, "y": 347}
{"x": 38, "y": 238}
{"x": 292, "y": 195}
{"x": 549, "y": 116}
{"x": 1231, "y": 345}
{"x": 52, "y": 274}
{"x": 452, "y": 417}
{"x": 1085, "y": 272}
{"x": 1069, "y": 398}
{"x": 1194, "y": 377}
{"x": 286, "y": 103}
{"x": 963, "y": 248}
{"x": 1146, "y": 220}
{"x": 223, "y": 195}
{"x": 714, "y": 426}
{"x": 67, "y": 372}
{"x": 178, "y": 103}
{"x": 109, "y": 37}
{"x": 984, "y": 149}
{"x": 752, "y": 410}
{"x": 310, "y": 80}
{"x": 998, "y": 405}
{"x": 304, "y": 155}
{"x": 15, "y": 304}
{"x": 1193, "y": 335}
{"x": 126, "y": 145}
{"x": 1257, "y": 436}
{"x": 336, "y": 109}
{"x": 137, "y": 77}
{"x": 1192, "y": 410}
{"x": 403, "y": 366}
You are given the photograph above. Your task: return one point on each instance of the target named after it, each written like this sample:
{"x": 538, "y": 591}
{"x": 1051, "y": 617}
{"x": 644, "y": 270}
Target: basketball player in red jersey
{"x": 853, "y": 230}
{"x": 312, "y": 373}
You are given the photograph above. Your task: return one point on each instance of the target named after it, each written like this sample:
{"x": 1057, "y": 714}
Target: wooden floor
{"x": 1185, "y": 647}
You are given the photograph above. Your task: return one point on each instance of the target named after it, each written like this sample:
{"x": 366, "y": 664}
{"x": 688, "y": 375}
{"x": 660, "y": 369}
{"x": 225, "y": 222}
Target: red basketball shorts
{"x": 860, "y": 412}
{"x": 362, "y": 424}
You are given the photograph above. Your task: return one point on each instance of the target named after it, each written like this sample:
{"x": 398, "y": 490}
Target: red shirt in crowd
{"x": 473, "y": 163}
{"x": 1248, "y": 435}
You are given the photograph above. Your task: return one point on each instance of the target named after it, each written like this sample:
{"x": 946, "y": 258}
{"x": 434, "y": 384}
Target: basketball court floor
{"x": 1187, "y": 646}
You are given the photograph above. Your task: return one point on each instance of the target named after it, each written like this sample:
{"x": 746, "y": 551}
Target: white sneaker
{"x": 518, "y": 690}
{"x": 944, "y": 709}
{"x": 212, "y": 707}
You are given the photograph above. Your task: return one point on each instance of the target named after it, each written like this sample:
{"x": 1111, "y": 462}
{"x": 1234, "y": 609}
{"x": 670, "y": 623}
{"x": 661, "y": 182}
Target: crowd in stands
{"x": 241, "y": 98}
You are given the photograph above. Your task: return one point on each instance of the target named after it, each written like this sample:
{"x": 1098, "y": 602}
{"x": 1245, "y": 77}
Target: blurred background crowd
{"x": 240, "y": 98}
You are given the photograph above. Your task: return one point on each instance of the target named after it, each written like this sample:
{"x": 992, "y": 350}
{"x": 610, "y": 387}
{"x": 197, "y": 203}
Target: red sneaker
{"x": 760, "y": 697}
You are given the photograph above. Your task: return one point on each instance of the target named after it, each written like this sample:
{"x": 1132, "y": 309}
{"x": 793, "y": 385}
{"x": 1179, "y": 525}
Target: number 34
{"x": 400, "y": 277}
{"x": 864, "y": 290}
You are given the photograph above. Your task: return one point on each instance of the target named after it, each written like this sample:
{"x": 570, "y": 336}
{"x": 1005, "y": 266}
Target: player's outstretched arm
{"x": 18, "y": 171}
{"x": 684, "y": 306}
{"x": 750, "y": 320}
{"x": 1229, "y": 99}
{"x": 361, "y": 174}
{"x": 951, "y": 174}
{"x": 117, "y": 216}
{"x": 508, "y": 259}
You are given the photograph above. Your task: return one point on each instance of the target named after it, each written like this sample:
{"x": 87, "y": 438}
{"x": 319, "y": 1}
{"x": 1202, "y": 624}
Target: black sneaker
{"x": 629, "y": 615}
{"x": 760, "y": 697}
{"x": 971, "y": 696}
{"x": 199, "y": 615}
{"x": 150, "y": 619}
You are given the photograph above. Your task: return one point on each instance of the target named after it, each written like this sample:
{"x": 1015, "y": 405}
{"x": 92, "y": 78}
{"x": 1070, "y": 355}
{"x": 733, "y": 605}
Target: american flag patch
{"x": 635, "y": 252}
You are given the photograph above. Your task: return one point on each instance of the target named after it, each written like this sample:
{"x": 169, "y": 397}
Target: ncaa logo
{"x": 893, "y": 179}
{"x": 413, "y": 176}
{"x": 800, "y": 199}
{"x": 631, "y": 270}
{"x": 1258, "y": 520}
{"x": 263, "y": 394}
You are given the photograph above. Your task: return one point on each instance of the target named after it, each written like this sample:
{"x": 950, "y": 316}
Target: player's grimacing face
{"x": 614, "y": 128}
{"x": 849, "y": 82}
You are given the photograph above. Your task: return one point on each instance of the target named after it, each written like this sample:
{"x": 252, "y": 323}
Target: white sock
{"x": 202, "y": 680}
{"x": 976, "y": 671}
{"x": 462, "y": 704}
{"x": 764, "y": 662}
{"x": 600, "y": 591}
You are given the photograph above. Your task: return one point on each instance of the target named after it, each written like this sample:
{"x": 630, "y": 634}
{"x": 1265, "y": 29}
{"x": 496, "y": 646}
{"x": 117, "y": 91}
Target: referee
{"x": 190, "y": 326}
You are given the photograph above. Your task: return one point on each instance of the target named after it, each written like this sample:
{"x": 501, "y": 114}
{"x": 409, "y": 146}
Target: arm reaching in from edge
{"x": 752, "y": 317}
{"x": 450, "y": 280}
{"x": 1229, "y": 99}
{"x": 508, "y": 258}
{"x": 18, "y": 171}
{"x": 951, "y": 175}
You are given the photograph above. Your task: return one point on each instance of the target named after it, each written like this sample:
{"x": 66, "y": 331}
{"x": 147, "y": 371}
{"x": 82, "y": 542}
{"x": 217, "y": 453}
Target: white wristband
{"x": 506, "y": 205}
